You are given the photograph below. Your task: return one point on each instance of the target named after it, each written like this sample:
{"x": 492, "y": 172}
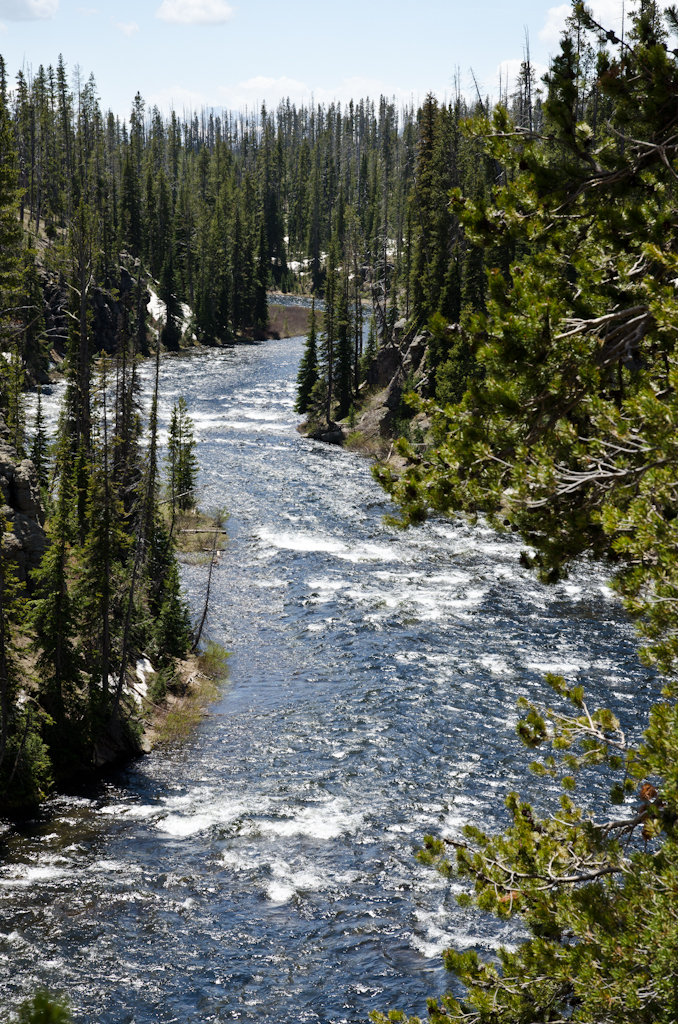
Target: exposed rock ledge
{"x": 20, "y": 503}
{"x": 401, "y": 360}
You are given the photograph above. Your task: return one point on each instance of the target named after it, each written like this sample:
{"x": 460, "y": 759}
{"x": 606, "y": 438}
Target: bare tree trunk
{"x": 207, "y": 595}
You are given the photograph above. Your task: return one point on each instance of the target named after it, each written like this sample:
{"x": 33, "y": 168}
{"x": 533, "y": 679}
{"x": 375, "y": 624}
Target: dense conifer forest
{"x": 534, "y": 245}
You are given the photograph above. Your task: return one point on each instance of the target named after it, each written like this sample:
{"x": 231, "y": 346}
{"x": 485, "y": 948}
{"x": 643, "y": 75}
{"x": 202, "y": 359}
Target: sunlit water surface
{"x": 266, "y": 870}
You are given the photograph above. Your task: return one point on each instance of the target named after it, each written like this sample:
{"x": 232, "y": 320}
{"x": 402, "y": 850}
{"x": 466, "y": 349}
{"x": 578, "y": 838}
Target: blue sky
{"x": 233, "y": 53}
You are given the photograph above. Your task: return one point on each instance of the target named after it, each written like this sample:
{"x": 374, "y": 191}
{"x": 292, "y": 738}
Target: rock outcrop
{"x": 20, "y": 504}
{"x": 399, "y": 365}
{"x": 105, "y": 307}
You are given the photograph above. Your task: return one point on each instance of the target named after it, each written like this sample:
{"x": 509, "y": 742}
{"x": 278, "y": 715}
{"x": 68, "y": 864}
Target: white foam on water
{"x": 322, "y": 821}
{"x": 423, "y": 602}
{"x": 234, "y": 425}
{"x": 558, "y": 667}
{"x": 495, "y": 664}
{"x": 219, "y": 813}
{"x": 259, "y": 426}
{"x": 313, "y": 542}
{"x": 504, "y": 572}
{"x": 183, "y": 826}
{"x": 435, "y": 937}
{"x": 327, "y": 584}
{"x": 286, "y": 882}
{"x": 156, "y": 307}
{"x": 144, "y": 668}
{"x": 26, "y": 874}
{"x": 134, "y": 812}
{"x": 285, "y": 879}
{"x": 300, "y": 542}
{"x": 252, "y": 416}
{"x": 238, "y": 860}
{"x": 76, "y": 801}
{"x": 280, "y": 892}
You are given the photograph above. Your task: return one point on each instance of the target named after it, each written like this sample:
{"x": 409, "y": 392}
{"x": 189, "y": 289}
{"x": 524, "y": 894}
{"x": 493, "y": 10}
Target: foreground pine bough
{"x": 567, "y": 433}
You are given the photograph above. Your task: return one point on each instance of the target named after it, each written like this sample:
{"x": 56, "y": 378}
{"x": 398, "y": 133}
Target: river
{"x": 266, "y": 869}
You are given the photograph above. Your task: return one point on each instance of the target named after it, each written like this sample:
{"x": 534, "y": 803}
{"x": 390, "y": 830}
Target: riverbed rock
{"x": 333, "y": 436}
{"x": 413, "y": 360}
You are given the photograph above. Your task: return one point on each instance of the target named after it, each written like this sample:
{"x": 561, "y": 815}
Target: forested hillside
{"x": 216, "y": 209}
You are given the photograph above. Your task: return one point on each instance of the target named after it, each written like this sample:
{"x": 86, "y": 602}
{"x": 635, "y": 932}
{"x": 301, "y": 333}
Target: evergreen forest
{"x": 533, "y": 245}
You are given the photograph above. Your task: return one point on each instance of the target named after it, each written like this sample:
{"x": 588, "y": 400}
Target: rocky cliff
{"x": 20, "y": 504}
{"x": 400, "y": 365}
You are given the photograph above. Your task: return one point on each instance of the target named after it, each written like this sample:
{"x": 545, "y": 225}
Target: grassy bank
{"x": 290, "y": 321}
{"x": 198, "y": 535}
{"x": 195, "y": 683}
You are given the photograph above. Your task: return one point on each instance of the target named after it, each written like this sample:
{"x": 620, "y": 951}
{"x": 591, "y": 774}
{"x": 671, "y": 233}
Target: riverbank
{"x": 69, "y": 729}
{"x": 195, "y": 683}
{"x": 379, "y": 415}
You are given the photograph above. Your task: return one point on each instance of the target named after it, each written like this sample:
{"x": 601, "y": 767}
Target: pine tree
{"x": 10, "y": 228}
{"x": 172, "y": 630}
{"x": 568, "y": 436}
{"x": 344, "y": 361}
{"x": 55, "y": 621}
{"x": 329, "y": 336}
{"x": 307, "y": 377}
{"x": 102, "y": 560}
{"x": 15, "y": 407}
{"x": 260, "y": 304}
{"x": 130, "y": 207}
{"x": 25, "y": 775}
{"x": 39, "y": 452}
{"x": 181, "y": 462}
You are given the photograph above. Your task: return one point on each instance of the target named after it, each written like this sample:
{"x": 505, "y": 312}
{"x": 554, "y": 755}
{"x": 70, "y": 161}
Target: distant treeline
{"x": 220, "y": 208}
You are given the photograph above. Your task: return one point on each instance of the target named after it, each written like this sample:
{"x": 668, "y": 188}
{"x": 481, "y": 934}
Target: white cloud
{"x": 28, "y": 10}
{"x": 179, "y": 99}
{"x": 254, "y": 91}
{"x": 554, "y": 25}
{"x": 194, "y": 12}
{"x": 269, "y": 90}
{"x": 128, "y": 28}
{"x": 262, "y": 88}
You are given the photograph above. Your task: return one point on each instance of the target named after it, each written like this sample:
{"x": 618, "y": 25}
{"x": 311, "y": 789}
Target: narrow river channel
{"x": 265, "y": 871}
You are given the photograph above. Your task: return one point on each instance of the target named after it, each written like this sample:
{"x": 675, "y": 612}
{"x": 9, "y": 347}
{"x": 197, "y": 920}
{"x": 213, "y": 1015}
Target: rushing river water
{"x": 266, "y": 870}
